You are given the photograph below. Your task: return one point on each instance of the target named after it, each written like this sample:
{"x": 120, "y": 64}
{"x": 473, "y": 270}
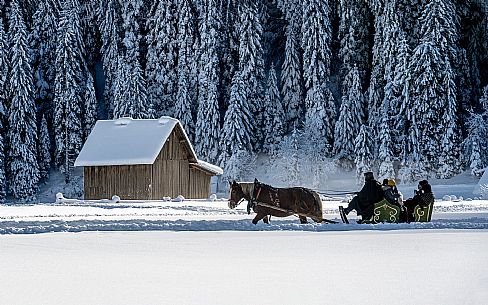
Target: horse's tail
{"x": 318, "y": 207}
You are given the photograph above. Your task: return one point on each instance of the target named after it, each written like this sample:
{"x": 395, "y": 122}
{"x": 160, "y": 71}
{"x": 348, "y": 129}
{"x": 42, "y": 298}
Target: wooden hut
{"x": 143, "y": 159}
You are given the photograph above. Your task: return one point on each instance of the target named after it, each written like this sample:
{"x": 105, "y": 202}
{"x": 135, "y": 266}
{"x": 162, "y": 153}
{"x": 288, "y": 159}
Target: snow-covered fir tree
{"x": 228, "y": 48}
{"x": 286, "y": 161}
{"x": 450, "y": 141}
{"x": 274, "y": 115}
{"x": 132, "y": 101}
{"x": 251, "y": 64}
{"x": 316, "y": 44}
{"x": 294, "y": 158}
{"x": 354, "y": 37}
{"x": 291, "y": 80}
{"x": 110, "y": 29}
{"x": 43, "y": 47}
{"x": 237, "y": 129}
{"x": 432, "y": 60}
{"x": 4, "y": 63}
{"x": 476, "y": 144}
{"x": 239, "y": 167}
{"x": 385, "y": 150}
{"x": 209, "y": 26}
{"x": 351, "y": 117}
{"x": 410, "y": 11}
{"x": 293, "y": 12}
{"x": 476, "y": 163}
{"x": 439, "y": 23}
{"x": 3, "y": 177}
{"x": 90, "y": 31}
{"x": 429, "y": 96}
{"x": 162, "y": 57}
{"x": 393, "y": 43}
{"x": 484, "y": 99}
{"x": 464, "y": 93}
{"x": 3, "y": 111}
{"x": 69, "y": 84}
{"x": 376, "y": 82}
{"x": 363, "y": 147}
{"x": 22, "y": 165}
{"x": 90, "y": 106}
{"x": 402, "y": 102}
{"x": 185, "y": 85}
{"x": 44, "y": 147}
{"x": 208, "y": 118}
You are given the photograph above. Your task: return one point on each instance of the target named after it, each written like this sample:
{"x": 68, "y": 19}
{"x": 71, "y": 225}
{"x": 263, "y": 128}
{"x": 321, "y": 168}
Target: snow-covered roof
{"x": 127, "y": 141}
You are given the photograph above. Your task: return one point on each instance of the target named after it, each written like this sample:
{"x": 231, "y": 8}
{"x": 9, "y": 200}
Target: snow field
{"x": 369, "y": 267}
{"x": 201, "y": 252}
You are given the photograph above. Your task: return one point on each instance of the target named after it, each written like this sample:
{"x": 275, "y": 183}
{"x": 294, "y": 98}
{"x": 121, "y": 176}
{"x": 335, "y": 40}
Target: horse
{"x": 267, "y": 201}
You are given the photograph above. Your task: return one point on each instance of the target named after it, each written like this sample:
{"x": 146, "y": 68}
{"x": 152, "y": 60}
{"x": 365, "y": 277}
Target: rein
{"x": 335, "y": 192}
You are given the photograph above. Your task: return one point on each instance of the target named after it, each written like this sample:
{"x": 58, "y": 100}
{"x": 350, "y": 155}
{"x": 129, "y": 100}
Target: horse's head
{"x": 236, "y": 195}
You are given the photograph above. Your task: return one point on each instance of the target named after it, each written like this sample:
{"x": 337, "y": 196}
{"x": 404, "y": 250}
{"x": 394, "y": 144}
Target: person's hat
{"x": 368, "y": 176}
{"x": 391, "y": 182}
{"x": 427, "y": 188}
{"x": 423, "y": 182}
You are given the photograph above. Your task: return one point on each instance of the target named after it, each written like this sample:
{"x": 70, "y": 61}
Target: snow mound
{"x": 165, "y": 119}
{"x": 180, "y": 198}
{"x": 123, "y": 121}
{"x": 61, "y": 199}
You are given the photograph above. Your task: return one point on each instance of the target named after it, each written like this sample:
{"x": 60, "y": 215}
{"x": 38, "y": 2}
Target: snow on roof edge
{"x": 210, "y": 167}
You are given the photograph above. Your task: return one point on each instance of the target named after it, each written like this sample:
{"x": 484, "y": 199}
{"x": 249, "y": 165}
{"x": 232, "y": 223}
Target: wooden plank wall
{"x": 170, "y": 170}
{"x": 170, "y": 175}
{"x": 199, "y": 183}
{"x": 127, "y": 181}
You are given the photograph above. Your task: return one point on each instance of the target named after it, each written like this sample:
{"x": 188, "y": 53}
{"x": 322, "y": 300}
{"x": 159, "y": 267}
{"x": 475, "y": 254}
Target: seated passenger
{"x": 364, "y": 201}
{"x": 391, "y": 192}
{"x": 423, "y": 197}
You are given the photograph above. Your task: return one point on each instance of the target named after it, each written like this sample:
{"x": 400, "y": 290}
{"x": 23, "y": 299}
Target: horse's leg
{"x": 259, "y": 216}
{"x": 266, "y": 219}
{"x": 303, "y": 219}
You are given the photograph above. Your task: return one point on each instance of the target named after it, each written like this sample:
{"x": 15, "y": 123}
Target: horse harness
{"x": 273, "y": 198}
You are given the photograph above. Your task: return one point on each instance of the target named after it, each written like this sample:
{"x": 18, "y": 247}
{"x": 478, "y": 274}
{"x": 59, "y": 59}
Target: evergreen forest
{"x": 399, "y": 87}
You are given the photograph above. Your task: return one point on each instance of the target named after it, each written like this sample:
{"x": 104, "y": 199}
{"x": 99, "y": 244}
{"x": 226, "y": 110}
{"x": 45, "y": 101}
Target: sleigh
{"x": 384, "y": 211}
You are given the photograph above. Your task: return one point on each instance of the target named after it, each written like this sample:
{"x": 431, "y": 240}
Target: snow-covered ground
{"x": 205, "y": 215}
{"x": 291, "y": 267}
{"x": 201, "y": 252}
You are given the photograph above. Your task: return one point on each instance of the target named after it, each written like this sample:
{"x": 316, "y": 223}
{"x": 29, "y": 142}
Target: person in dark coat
{"x": 423, "y": 197}
{"x": 364, "y": 201}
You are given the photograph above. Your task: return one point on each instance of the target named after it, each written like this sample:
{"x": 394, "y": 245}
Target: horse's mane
{"x": 247, "y": 188}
